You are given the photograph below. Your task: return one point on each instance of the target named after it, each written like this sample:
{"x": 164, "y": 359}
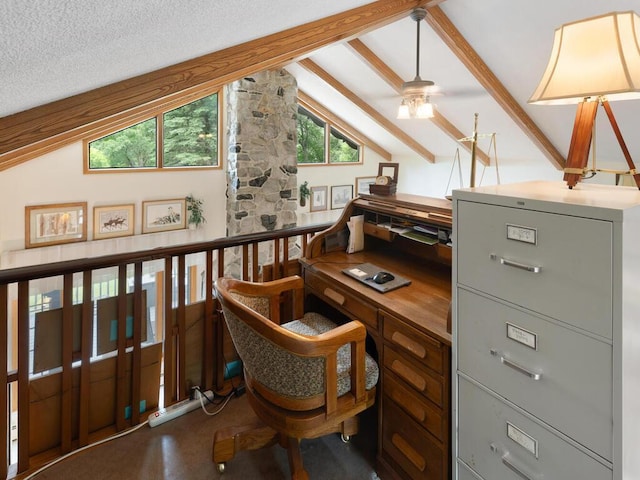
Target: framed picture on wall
{"x": 318, "y": 199}
{"x": 163, "y": 215}
{"x": 340, "y": 195}
{"x": 55, "y": 223}
{"x": 113, "y": 221}
{"x": 362, "y": 184}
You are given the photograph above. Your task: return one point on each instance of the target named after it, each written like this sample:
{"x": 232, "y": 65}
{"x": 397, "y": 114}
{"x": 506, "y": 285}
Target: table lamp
{"x": 593, "y": 61}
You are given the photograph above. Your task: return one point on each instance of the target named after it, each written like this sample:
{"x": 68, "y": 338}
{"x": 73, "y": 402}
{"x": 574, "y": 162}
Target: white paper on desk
{"x": 356, "y": 234}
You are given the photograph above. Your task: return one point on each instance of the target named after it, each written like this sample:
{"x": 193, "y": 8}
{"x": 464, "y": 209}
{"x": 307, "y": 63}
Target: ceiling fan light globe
{"x": 403, "y": 111}
{"x": 424, "y": 110}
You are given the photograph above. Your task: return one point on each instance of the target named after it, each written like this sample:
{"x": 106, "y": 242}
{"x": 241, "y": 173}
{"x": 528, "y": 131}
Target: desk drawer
{"x": 419, "y": 378}
{"x": 572, "y": 254}
{"x": 497, "y": 441}
{"x": 573, "y": 391}
{"x": 424, "y": 348}
{"x": 410, "y": 447}
{"x": 378, "y": 232}
{"x": 337, "y": 296}
{"x": 425, "y": 413}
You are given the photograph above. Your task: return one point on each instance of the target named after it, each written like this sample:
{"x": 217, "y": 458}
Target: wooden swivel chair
{"x": 305, "y": 378}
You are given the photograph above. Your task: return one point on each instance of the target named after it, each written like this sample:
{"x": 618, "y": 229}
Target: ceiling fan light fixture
{"x": 417, "y": 106}
{"x": 415, "y": 93}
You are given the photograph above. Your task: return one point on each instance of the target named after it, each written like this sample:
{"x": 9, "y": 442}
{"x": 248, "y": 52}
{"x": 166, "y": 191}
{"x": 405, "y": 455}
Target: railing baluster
{"x": 276, "y": 258}
{"x": 208, "y": 345}
{"x": 245, "y": 262}
{"x": 23, "y": 376}
{"x": 121, "y": 360}
{"x": 255, "y": 262}
{"x": 4, "y": 404}
{"x": 67, "y": 363}
{"x": 85, "y": 366}
{"x": 170, "y": 390}
{"x": 181, "y": 317}
{"x": 136, "y": 361}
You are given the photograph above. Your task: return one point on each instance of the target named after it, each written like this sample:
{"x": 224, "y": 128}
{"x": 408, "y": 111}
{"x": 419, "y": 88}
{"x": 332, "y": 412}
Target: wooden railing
{"x": 88, "y": 340}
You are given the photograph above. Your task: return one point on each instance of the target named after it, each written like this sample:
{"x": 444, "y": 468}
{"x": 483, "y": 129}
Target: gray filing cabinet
{"x": 546, "y": 332}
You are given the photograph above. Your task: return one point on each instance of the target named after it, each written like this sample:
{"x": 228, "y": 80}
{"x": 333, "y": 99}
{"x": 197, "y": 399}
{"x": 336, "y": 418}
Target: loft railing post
{"x": 170, "y": 392}
{"x": 85, "y": 365}
{"x": 23, "y": 376}
{"x": 4, "y": 393}
{"x": 181, "y": 318}
{"x": 136, "y": 361}
{"x": 208, "y": 345}
{"x": 121, "y": 359}
{"x": 67, "y": 364}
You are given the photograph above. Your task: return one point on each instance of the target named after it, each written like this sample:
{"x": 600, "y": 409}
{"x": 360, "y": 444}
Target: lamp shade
{"x": 597, "y": 56}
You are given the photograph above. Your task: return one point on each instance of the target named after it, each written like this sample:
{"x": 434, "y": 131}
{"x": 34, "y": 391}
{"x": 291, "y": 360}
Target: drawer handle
{"x": 516, "y": 366}
{"x": 522, "y": 266}
{"x": 333, "y": 295}
{"x": 510, "y": 465}
{"x": 514, "y": 469}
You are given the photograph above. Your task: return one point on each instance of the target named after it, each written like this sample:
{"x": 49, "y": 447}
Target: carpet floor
{"x": 181, "y": 449}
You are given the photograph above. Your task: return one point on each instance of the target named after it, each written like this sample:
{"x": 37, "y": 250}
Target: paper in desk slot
{"x": 356, "y": 233}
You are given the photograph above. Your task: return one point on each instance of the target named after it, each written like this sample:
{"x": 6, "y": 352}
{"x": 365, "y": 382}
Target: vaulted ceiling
{"x": 486, "y": 56}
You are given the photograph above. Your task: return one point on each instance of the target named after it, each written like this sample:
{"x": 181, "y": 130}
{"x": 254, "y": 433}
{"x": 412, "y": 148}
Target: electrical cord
{"x": 204, "y": 409}
{"x": 86, "y": 447}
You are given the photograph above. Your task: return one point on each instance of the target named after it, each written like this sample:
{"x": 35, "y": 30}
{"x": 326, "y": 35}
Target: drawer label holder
{"x": 526, "y": 441}
{"x": 522, "y": 336}
{"x": 522, "y": 234}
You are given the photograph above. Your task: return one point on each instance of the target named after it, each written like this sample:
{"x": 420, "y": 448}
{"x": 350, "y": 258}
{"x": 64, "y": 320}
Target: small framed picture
{"x": 318, "y": 199}
{"x": 362, "y": 184}
{"x": 113, "y": 221}
{"x": 163, "y": 215}
{"x": 340, "y": 195}
{"x": 55, "y": 223}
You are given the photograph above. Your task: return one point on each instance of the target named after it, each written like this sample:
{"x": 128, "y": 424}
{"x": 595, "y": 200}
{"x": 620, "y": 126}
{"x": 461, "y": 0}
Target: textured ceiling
{"x": 56, "y": 48}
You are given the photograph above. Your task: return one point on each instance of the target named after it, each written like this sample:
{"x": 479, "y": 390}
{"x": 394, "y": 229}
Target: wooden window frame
{"x": 156, "y": 110}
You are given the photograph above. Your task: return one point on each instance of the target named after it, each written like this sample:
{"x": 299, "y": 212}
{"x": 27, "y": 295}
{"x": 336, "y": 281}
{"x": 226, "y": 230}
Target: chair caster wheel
{"x": 220, "y": 467}
{"x": 345, "y": 438}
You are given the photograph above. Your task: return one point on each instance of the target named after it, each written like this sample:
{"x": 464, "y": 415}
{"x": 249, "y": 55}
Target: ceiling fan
{"x": 415, "y": 93}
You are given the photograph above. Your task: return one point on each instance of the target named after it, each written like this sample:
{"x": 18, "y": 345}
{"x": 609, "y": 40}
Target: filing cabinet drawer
{"x": 333, "y": 295}
{"x": 420, "y": 410}
{"x": 422, "y": 380}
{"x": 465, "y": 474}
{"x": 559, "y": 375}
{"x": 408, "y": 446}
{"x": 572, "y": 254}
{"x": 424, "y": 348}
{"x": 499, "y": 442}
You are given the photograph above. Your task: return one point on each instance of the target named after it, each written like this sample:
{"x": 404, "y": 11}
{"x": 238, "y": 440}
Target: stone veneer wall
{"x": 261, "y": 162}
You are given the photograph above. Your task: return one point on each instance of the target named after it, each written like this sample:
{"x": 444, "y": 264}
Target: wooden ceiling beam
{"x": 307, "y": 100}
{"x": 394, "y": 80}
{"x": 52, "y": 125}
{"x": 441, "y": 24}
{"x": 314, "y": 68}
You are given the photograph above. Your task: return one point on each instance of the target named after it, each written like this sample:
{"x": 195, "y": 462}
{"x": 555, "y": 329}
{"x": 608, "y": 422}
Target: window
{"x": 186, "y": 136}
{"x": 321, "y": 143}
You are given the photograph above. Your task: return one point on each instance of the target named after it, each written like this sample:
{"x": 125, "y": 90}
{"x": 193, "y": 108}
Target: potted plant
{"x": 194, "y": 207}
{"x": 304, "y": 193}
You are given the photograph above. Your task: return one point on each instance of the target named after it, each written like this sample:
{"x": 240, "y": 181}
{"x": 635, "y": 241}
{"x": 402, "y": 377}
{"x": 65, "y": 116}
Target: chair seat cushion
{"x": 312, "y": 324}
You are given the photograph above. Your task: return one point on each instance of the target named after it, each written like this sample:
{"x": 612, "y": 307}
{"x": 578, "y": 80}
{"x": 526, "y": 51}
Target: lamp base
{"x": 581, "y": 139}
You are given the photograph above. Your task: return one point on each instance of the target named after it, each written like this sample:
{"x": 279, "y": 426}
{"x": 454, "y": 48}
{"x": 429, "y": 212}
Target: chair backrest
{"x": 272, "y": 356}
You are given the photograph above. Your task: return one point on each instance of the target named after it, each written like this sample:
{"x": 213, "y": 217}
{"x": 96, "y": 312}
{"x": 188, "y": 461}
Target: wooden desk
{"x": 409, "y": 328}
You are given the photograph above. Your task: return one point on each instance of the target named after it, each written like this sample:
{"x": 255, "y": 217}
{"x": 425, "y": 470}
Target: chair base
{"x": 255, "y": 435}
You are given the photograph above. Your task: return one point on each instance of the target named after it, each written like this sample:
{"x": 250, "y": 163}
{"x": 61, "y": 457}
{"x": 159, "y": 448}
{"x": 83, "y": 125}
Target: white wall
{"x": 58, "y": 177}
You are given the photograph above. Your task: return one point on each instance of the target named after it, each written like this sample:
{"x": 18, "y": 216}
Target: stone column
{"x": 261, "y": 162}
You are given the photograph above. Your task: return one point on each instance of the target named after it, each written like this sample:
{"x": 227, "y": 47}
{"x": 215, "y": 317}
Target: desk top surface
{"x": 424, "y": 304}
